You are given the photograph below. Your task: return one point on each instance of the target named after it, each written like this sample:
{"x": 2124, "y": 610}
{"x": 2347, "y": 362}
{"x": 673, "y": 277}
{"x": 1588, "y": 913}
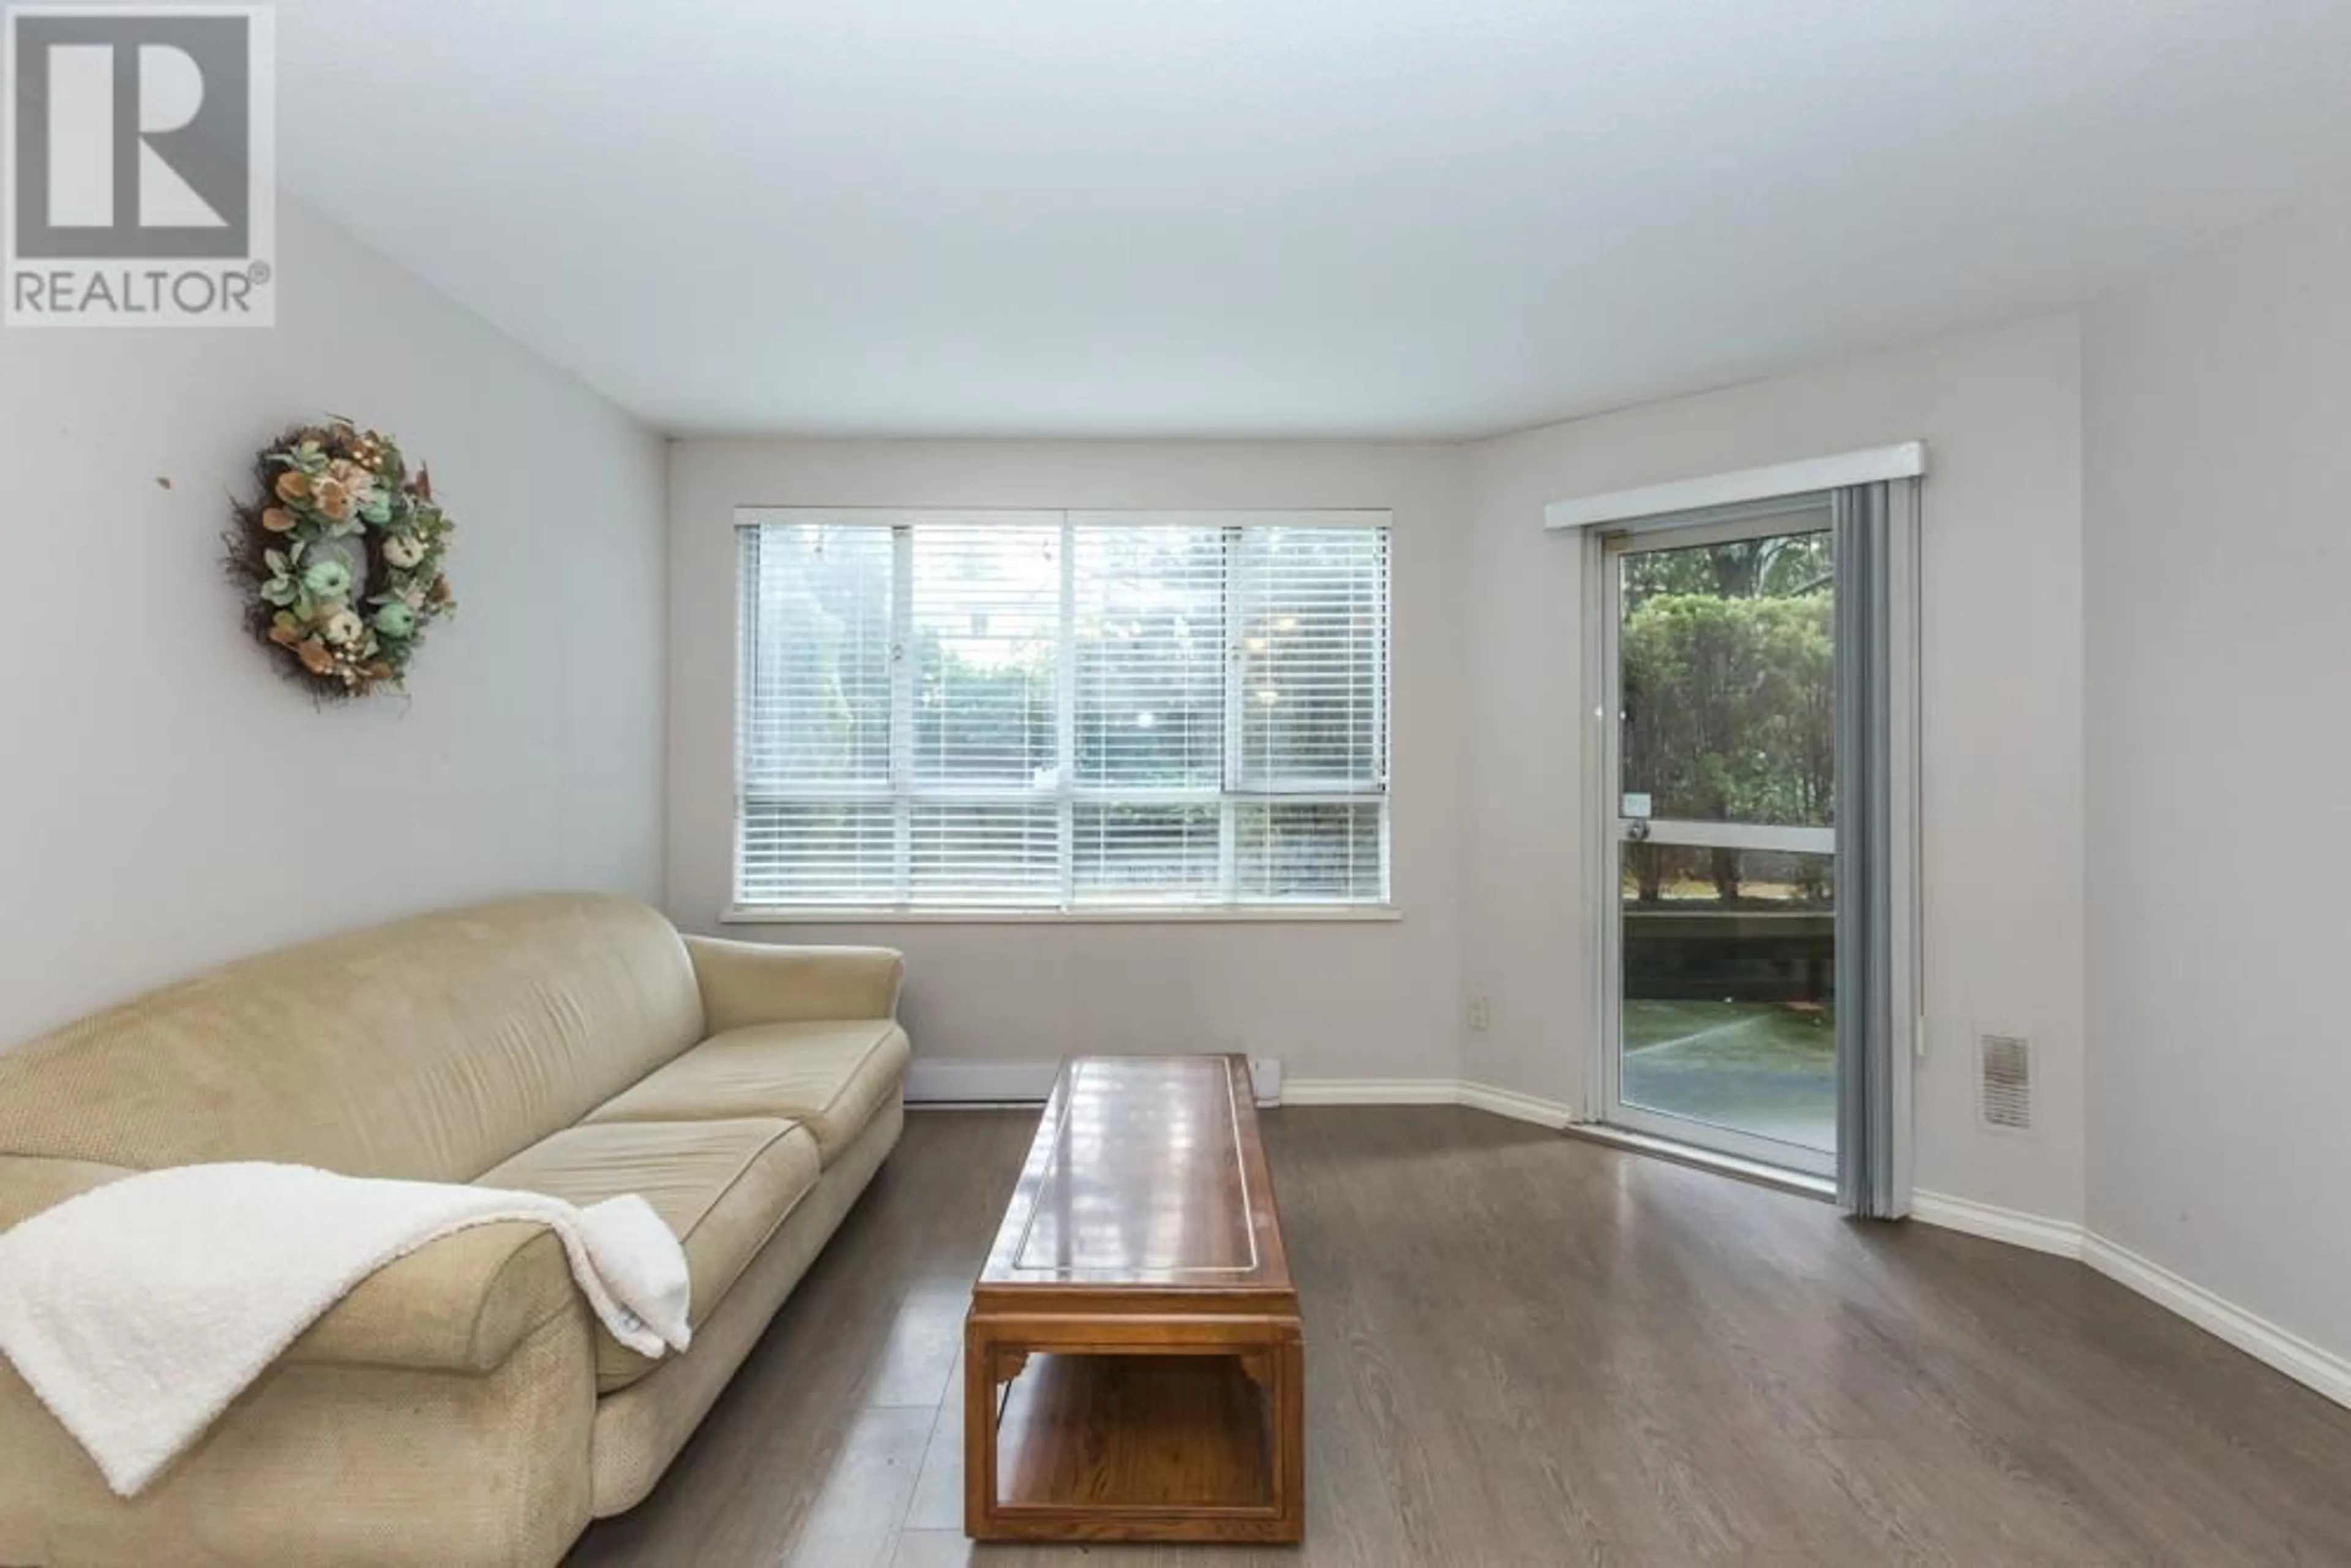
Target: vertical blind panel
{"x": 1311, "y": 853}
{"x": 1312, "y": 665}
{"x": 814, "y": 691}
{"x": 1146, "y": 855}
{"x": 820, "y": 852}
{"x": 1148, "y": 618}
{"x": 985, "y": 854}
{"x": 987, "y": 644}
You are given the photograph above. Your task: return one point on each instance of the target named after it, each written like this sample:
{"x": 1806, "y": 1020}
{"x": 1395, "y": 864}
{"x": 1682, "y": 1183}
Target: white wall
{"x": 2219, "y": 546}
{"x": 2002, "y": 704}
{"x": 1332, "y": 1000}
{"x": 165, "y": 801}
{"x": 2161, "y": 475}
{"x": 1488, "y": 758}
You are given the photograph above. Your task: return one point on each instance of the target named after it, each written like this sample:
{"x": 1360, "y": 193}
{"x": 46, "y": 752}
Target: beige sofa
{"x": 463, "y": 1406}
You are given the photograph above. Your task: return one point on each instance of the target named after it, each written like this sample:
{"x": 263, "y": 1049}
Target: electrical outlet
{"x": 1481, "y": 1014}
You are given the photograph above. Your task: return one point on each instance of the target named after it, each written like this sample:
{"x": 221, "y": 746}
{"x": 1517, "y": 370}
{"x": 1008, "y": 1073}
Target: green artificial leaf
{"x": 277, "y": 560}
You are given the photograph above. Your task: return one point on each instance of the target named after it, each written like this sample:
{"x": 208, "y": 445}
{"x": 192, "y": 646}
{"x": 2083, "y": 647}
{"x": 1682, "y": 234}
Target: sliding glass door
{"x": 1719, "y": 660}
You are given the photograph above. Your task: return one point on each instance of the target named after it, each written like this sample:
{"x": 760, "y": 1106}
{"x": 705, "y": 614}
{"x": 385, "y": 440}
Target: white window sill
{"x": 1251, "y": 915}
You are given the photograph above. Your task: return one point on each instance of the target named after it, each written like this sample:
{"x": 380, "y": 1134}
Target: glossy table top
{"x": 1146, "y": 1173}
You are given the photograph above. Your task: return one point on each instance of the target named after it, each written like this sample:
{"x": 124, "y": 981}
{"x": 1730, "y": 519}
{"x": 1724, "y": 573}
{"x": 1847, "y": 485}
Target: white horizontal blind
{"x": 815, "y": 822}
{"x": 1312, "y": 770}
{"x": 1136, "y": 710}
{"x": 987, "y": 630}
{"x": 1149, "y": 650}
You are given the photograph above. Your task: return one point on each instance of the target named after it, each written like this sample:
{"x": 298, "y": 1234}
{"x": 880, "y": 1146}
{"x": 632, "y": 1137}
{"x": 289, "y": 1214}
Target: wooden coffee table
{"x": 1133, "y": 1364}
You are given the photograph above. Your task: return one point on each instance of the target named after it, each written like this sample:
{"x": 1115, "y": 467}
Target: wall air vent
{"x": 2004, "y": 1077}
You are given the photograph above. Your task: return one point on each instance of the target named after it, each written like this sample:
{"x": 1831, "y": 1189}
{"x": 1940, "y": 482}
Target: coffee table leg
{"x": 979, "y": 1407}
{"x": 1278, "y": 1370}
{"x": 1287, "y": 1397}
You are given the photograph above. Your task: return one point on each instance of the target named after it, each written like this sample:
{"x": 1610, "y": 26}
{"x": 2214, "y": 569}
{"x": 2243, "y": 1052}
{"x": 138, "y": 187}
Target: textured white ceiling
{"x": 1281, "y": 217}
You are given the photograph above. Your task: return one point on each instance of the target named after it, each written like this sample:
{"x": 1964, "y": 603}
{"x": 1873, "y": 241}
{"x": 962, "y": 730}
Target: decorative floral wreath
{"x": 343, "y": 557}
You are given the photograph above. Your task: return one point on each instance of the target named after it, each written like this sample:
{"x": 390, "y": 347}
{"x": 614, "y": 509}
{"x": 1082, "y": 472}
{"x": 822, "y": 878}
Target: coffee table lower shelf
{"x": 1133, "y": 1430}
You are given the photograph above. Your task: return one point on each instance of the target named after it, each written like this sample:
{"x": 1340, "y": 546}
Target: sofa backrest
{"x": 431, "y": 1049}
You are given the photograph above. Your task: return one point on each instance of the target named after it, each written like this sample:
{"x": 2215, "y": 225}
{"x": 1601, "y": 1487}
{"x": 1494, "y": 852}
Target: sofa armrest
{"x": 461, "y": 1304}
{"x": 753, "y": 983}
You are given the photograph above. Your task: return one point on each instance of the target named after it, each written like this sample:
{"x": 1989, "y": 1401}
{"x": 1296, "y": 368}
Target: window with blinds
{"x": 1061, "y": 710}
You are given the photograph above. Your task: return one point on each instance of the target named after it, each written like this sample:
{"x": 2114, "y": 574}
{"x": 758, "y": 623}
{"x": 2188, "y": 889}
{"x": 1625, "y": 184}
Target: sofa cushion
{"x": 639, "y": 1428}
{"x": 832, "y": 1077}
{"x": 723, "y": 1185}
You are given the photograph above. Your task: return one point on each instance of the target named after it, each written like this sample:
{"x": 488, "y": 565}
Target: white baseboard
{"x": 2311, "y": 1365}
{"x": 2013, "y": 1225}
{"x": 2308, "y": 1365}
{"x": 1511, "y": 1104}
{"x": 933, "y": 1081}
{"x": 1426, "y": 1091}
{"x": 1369, "y": 1092}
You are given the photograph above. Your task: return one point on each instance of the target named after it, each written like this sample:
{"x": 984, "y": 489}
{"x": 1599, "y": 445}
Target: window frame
{"x": 904, "y": 795}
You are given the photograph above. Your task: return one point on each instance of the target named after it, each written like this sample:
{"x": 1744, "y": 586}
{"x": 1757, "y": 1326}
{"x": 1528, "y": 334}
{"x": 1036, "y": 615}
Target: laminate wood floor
{"x": 1525, "y": 1349}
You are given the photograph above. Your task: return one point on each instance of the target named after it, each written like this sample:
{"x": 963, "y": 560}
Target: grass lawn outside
{"x": 1764, "y": 1068}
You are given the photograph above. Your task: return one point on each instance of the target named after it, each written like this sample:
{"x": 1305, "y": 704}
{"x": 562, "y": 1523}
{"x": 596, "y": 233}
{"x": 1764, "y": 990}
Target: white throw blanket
{"x": 139, "y": 1309}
